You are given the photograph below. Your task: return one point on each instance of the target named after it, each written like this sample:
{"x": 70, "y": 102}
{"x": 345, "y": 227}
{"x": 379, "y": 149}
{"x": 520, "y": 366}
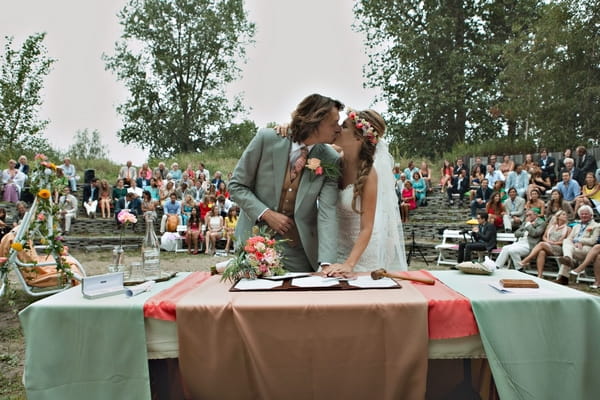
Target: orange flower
{"x": 17, "y": 246}
{"x": 44, "y": 194}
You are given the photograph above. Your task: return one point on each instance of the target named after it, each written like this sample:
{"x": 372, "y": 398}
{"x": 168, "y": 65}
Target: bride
{"x": 371, "y": 234}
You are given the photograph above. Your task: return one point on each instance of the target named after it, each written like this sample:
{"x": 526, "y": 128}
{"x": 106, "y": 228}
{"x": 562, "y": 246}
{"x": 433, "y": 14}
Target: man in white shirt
{"x": 493, "y": 175}
{"x": 67, "y": 205}
{"x": 515, "y": 208}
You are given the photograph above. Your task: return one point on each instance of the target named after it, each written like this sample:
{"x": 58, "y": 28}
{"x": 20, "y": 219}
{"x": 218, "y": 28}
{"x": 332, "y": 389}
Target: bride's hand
{"x": 282, "y": 130}
{"x": 339, "y": 270}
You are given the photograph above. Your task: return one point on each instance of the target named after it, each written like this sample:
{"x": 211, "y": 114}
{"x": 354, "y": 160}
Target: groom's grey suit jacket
{"x": 256, "y": 185}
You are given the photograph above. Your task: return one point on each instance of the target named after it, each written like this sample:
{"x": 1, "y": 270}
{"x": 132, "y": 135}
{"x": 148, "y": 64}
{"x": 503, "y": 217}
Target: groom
{"x": 272, "y": 186}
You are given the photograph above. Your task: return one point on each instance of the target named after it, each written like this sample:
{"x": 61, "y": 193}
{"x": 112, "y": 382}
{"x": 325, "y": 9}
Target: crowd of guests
{"x": 508, "y": 197}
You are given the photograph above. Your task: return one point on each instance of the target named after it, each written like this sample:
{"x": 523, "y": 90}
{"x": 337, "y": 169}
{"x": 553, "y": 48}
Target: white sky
{"x": 301, "y": 47}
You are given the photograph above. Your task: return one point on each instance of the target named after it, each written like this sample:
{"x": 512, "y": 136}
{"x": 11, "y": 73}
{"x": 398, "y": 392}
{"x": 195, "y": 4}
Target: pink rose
{"x": 319, "y": 171}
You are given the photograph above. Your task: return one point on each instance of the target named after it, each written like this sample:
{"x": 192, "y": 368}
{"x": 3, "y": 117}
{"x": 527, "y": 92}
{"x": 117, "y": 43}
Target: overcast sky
{"x": 301, "y": 47}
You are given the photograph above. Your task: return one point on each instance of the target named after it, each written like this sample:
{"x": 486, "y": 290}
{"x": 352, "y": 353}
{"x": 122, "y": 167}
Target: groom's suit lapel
{"x": 281, "y": 155}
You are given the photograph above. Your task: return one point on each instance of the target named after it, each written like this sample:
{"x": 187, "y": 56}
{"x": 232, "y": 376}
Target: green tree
{"x": 176, "y": 58}
{"x": 552, "y": 79}
{"x": 437, "y": 64}
{"x": 87, "y": 146}
{"x": 22, "y": 74}
{"x": 236, "y": 137}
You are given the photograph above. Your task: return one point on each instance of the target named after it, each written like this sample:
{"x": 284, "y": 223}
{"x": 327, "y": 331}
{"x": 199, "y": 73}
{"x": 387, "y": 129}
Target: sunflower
{"x": 17, "y": 246}
{"x": 44, "y": 194}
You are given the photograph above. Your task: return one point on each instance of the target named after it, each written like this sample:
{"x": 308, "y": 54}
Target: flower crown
{"x": 367, "y": 129}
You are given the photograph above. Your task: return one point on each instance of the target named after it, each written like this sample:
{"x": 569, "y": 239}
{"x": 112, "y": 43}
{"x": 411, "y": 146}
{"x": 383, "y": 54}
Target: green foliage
{"x": 87, "y": 145}
{"x": 21, "y": 80}
{"x": 437, "y": 64}
{"x": 552, "y": 79}
{"x": 236, "y": 137}
{"x": 176, "y": 58}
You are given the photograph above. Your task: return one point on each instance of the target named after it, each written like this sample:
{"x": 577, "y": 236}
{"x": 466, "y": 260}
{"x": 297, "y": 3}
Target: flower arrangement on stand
{"x": 43, "y": 227}
{"x": 260, "y": 256}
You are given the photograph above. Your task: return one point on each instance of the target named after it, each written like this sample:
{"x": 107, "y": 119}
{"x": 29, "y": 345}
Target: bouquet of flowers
{"x": 125, "y": 217}
{"x": 260, "y": 256}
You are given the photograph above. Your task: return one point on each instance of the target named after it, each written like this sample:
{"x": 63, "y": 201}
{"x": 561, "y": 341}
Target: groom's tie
{"x": 299, "y": 164}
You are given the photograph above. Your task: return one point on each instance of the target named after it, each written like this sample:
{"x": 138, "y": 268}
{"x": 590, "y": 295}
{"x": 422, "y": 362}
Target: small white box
{"x": 94, "y": 287}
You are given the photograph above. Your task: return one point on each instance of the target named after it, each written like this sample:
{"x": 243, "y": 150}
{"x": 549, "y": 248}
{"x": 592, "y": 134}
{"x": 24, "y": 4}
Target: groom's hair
{"x": 309, "y": 114}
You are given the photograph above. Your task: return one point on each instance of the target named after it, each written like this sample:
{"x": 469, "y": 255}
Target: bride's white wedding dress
{"x": 386, "y": 246}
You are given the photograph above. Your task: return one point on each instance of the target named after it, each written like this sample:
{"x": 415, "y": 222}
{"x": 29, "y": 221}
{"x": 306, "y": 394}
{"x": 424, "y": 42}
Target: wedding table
{"x": 258, "y": 344}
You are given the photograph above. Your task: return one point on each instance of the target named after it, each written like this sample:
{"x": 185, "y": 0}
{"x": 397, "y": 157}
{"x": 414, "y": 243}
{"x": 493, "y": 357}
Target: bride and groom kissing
{"x": 343, "y": 224}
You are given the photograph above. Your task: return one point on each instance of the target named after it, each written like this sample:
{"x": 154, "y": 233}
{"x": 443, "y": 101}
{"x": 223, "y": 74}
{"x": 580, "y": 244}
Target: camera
{"x": 464, "y": 231}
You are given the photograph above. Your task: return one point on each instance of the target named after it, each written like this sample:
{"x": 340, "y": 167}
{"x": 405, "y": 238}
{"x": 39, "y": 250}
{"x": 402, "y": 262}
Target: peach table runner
{"x": 302, "y": 345}
{"x": 450, "y": 314}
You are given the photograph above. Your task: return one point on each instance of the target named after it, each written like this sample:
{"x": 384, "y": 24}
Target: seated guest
{"x": 135, "y": 189}
{"x": 568, "y": 153}
{"x": 410, "y": 169}
{"x": 585, "y": 161}
{"x": 166, "y": 191}
{"x": 175, "y": 172}
{"x": 534, "y": 201}
{"x": 187, "y": 205}
{"x": 590, "y": 259}
{"x": 131, "y": 203}
{"x": 492, "y": 160}
{"x": 459, "y": 166}
{"x": 425, "y": 172}
{"x": 408, "y": 201}
{"x": 207, "y": 203}
{"x": 5, "y": 226}
{"x": 557, "y": 203}
{"x": 222, "y": 190}
{"x": 460, "y": 186}
{"x": 420, "y": 188}
{"x": 478, "y": 171}
{"x": 579, "y": 242}
{"x": 197, "y": 191}
{"x": 203, "y": 170}
{"x": 518, "y": 179}
{"x": 590, "y": 193}
{"x": 189, "y": 172}
{"x": 529, "y": 165}
{"x": 499, "y": 187}
{"x": 537, "y": 182}
{"x": 21, "y": 210}
{"x": 142, "y": 182}
{"x": 223, "y": 205}
{"x": 171, "y": 207}
{"x": 568, "y": 187}
{"x": 574, "y": 172}
{"x": 154, "y": 190}
{"x": 13, "y": 181}
{"x": 446, "y": 173}
{"x": 230, "y": 224}
{"x": 515, "y": 210}
{"x": 148, "y": 206}
{"x": 396, "y": 171}
{"x": 400, "y": 185}
{"x": 67, "y": 205}
{"x": 495, "y": 210}
{"x": 480, "y": 197}
{"x": 161, "y": 171}
{"x": 493, "y": 175}
{"x": 193, "y": 234}
{"x": 484, "y": 236}
{"x": 217, "y": 179}
{"x": 214, "y": 230}
{"x": 119, "y": 190}
{"x": 145, "y": 173}
{"x": 507, "y": 166}
{"x": 22, "y": 165}
{"x": 105, "y": 198}
{"x": 69, "y": 171}
{"x": 91, "y": 194}
{"x": 528, "y": 236}
{"x": 128, "y": 173}
{"x": 551, "y": 244}
{"x": 547, "y": 165}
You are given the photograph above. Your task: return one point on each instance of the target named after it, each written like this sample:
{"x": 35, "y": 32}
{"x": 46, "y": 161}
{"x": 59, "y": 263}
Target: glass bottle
{"x": 150, "y": 251}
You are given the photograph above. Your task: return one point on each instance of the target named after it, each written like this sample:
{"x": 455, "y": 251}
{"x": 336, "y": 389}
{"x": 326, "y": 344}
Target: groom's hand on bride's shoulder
{"x": 282, "y": 130}
{"x": 277, "y": 221}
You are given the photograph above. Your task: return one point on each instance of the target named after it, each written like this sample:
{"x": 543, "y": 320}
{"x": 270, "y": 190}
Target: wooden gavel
{"x": 382, "y": 273}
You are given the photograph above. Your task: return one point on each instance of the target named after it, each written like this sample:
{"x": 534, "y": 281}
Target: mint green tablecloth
{"x": 77, "y": 348}
{"x": 539, "y": 346}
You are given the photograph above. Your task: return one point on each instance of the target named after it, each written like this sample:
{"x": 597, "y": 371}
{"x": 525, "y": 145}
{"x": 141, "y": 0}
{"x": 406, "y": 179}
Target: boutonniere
{"x": 589, "y": 230}
{"x": 318, "y": 168}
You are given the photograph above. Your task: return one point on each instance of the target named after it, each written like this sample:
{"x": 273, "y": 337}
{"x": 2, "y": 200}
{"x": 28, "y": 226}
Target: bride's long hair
{"x": 367, "y": 151}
